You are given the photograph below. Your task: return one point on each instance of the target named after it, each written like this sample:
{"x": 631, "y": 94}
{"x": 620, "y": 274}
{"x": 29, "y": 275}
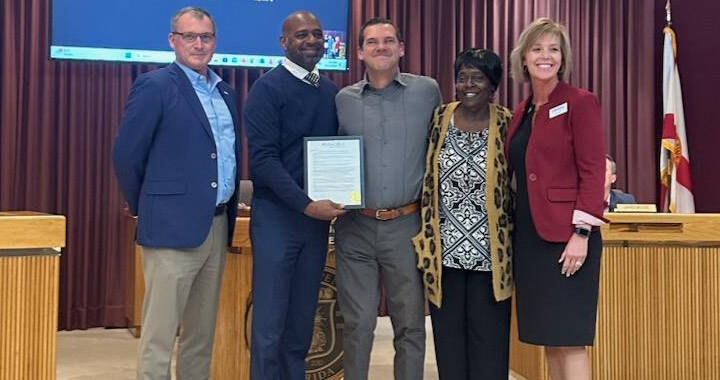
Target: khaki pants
{"x": 182, "y": 288}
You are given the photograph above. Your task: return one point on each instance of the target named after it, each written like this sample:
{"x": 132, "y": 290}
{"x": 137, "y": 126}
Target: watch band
{"x": 584, "y": 232}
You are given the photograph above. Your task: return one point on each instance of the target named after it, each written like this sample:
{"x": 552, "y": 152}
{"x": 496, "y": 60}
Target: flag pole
{"x": 668, "y": 27}
{"x": 676, "y": 185}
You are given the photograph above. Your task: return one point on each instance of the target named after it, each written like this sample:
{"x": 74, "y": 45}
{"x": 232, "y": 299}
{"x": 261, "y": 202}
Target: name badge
{"x": 558, "y": 110}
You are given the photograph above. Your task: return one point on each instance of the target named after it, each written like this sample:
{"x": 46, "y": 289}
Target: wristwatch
{"x": 583, "y": 232}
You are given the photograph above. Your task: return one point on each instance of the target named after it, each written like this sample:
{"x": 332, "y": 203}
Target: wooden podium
{"x": 29, "y": 281}
{"x": 659, "y": 305}
{"x": 231, "y": 356}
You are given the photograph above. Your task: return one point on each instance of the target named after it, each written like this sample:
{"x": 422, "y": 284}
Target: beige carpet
{"x": 110, "y": 354}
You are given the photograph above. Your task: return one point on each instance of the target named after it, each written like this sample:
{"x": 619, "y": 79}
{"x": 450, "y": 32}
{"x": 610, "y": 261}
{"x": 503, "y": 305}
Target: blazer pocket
{"x": 168, "y": 187}
{"x": 562, "y": 194}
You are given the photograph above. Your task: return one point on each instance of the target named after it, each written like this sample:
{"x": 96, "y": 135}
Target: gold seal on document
{"x": 355, "y": 195}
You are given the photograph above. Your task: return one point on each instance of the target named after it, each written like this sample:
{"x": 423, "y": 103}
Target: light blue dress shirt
{"x": 222, "y": 127}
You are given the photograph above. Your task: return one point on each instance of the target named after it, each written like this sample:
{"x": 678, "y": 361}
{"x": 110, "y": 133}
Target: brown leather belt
{"x": 390, "y": 213}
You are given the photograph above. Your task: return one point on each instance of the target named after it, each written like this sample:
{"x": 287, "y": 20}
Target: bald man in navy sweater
{"x": 289, "y": 231}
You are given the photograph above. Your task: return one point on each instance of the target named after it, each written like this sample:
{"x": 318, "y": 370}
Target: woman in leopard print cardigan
{"x": 464, "y": 246}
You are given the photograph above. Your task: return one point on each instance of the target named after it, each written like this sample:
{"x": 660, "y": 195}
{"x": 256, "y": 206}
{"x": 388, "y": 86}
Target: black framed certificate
{"x": 335, "y": 170}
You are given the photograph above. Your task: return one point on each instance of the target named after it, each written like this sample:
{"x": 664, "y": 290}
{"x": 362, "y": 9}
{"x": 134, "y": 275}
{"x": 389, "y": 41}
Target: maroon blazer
{"x": 564, "y": 161}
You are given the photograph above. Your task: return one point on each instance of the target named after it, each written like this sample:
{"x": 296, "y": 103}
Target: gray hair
{"x": 197, "y": 12}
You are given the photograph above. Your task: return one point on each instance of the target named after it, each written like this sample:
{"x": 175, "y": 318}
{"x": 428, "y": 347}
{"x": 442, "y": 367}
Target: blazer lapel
{"x": 187, "y": 90}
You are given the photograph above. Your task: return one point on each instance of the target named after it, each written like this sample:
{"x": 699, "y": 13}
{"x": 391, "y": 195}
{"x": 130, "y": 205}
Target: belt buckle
{"x": 377, "y": 214}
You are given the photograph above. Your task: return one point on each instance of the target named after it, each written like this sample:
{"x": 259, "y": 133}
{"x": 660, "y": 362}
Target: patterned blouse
{"x": 463, "y": 213}
{"x": 428, "y": 242}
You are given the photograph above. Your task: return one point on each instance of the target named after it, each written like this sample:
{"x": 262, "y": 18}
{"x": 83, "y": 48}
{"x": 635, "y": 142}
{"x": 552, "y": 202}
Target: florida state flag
{"x": 676, "y": 187}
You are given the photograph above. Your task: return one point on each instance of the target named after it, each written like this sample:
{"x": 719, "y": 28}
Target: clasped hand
{"x": 324, "y": 209}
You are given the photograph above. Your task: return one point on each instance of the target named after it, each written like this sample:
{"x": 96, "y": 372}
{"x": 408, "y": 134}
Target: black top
{"x": 518, "y": 147}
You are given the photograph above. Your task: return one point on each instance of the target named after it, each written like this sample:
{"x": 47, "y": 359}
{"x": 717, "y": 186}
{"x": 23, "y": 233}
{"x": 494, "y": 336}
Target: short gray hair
{"x": 197, "y": 12}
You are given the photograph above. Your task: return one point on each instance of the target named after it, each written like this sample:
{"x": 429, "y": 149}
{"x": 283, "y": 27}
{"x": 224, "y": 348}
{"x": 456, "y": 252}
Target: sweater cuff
{"x": 300, "y": 202}
{"x": 583, "y": 219}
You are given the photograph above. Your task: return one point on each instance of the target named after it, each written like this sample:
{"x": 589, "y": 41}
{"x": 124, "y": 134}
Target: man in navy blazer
{"x": 613, "y": 197}
{"x": 176, "y": 158}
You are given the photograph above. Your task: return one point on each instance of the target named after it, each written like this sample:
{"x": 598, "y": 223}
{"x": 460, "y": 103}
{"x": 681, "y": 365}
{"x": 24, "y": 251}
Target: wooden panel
{"x": 28, "y": 316}
{"x": 709, "y": 333}
{"x": 658, "y": 312}
{"x": 27, "y": 229}
{"x": 241, "y": 236}
{"x": 231, "y": 357}
{"x": 692, "y": 228}
{"x": 135, "y": 289}
{"x": 655, "y": 318}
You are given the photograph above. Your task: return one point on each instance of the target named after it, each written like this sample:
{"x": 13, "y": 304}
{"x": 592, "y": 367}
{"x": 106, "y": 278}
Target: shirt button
{"x": 213, "y": 155}
{"x": 532, "y": 177}
{"x": 213, "y": 185}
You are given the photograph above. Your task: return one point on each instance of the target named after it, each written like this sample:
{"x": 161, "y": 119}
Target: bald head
{"x": 297, "y": 17}
{"x": 302, "y": 39}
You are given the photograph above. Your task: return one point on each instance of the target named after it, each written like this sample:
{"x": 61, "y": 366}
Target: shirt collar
{"x": 195, "y": 77}
{"x": 298, "y": 71}
{"x": 365, "y": 83}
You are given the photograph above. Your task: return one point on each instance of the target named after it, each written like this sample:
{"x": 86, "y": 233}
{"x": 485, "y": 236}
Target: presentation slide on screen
{"x": 248, "y": 31}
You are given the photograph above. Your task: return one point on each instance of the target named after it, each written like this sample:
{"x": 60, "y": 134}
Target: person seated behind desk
{"x": 613, "y": 197}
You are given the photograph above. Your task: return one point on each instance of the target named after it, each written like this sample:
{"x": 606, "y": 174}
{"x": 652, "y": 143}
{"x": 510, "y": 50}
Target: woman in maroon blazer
{"x": 556, "y": 149}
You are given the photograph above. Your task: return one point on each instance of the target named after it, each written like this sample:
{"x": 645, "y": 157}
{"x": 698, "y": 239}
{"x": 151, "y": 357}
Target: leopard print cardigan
{"x": 428, "y": 245}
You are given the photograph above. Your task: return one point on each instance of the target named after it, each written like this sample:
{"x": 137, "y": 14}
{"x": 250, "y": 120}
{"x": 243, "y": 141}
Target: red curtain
{"x": 58, "y": 118}
{"x": 614, "y": 45}
{"x": 697, "y": 28}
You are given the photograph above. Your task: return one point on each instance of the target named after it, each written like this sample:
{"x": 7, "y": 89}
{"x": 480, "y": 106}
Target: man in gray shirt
{"x": 392, "y": 111}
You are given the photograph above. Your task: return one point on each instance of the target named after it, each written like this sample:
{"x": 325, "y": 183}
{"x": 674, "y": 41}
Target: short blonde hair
{"x": 529, "y": 36}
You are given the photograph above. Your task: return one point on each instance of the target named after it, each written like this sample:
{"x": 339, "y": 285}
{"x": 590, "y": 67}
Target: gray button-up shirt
{"x": 394, "y": 123}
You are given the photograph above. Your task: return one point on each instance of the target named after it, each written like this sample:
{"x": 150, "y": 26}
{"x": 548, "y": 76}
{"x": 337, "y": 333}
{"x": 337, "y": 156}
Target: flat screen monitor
{"x": 136, "y": 31}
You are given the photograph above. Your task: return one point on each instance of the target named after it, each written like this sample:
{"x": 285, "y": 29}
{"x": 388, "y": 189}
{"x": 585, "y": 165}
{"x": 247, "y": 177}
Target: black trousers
{"x": 471, "y": 330}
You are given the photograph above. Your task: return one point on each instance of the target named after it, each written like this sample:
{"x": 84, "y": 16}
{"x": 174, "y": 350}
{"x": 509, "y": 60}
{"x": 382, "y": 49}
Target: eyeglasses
{"x": 190, "y": 37}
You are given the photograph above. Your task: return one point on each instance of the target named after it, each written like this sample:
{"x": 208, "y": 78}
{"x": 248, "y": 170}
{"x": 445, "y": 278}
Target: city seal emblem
{"x": 324, "y": 360}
